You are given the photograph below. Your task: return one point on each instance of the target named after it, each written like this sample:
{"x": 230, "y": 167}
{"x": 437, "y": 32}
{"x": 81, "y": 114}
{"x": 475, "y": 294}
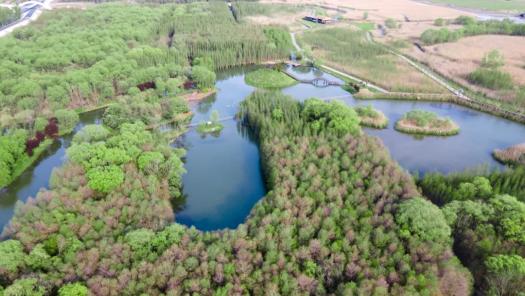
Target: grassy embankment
{"x": 350, "y": 51}
{"x": 269, "y": 79}
{"x": 23, "y": 164}
{"x": 426, "y": 123}
{"x": 371, "y": 117}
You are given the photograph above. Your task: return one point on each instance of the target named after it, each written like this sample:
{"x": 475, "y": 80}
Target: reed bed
{"x": 422, "y": 122}
{"x": 512, "y": 155}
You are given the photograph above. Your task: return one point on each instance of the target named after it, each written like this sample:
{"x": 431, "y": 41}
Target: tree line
{"x": 472, "y": 27}
{"x": 486, "y": 212}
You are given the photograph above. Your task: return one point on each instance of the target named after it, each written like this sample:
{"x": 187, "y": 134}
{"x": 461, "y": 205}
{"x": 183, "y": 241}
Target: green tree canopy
{"x": 204, "y": 78}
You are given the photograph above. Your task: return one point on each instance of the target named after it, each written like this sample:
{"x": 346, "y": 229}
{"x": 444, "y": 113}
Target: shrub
{"x": 148, "y": 159}
{"x": 76, "y": 289}
{"x": 439, "y": 22}
{"x": 426, "y": 123}
{"x": 204, "y": 78}
{"x": 464, "y": 20}
{"x": 91, "y": 133}
{"x": 443, "y": 35}
{"x": 506, "y": 274}
{"x": 491, "y": 78}
{"x": 391, "y": 23}
{"x": 493, "y": 59}
{"x": 335, "y": 115}
{"x": 421, "y": 117}
{"x": 13, "y": 259}
{"x": 67, "y": 119}
{"x": 25, "y": 287}
{"x": 420, "y": 217}
{"x": 204, "y": 61}
{"x": 38, "y": 258}
{"x": 105, "y": 179}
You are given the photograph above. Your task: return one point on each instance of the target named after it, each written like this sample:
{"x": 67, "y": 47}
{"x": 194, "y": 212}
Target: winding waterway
{"x": 37, "y": 176}
{"x": 224, "y": 178}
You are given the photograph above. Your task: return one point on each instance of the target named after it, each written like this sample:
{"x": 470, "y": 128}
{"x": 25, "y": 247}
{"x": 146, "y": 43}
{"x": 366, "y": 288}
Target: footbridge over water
{"x": 318, "y": 81}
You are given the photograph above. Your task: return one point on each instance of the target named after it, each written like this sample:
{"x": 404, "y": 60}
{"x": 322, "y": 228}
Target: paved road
{"x": 367, "y": 84}
{"x": 29, "y": 14}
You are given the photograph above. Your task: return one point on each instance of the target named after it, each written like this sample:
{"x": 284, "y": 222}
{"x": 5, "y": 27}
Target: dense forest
{"x": 105, "y": 56}
{"x": 486, "y": 212}
{"x": 341, "y": 217}
{"x": 79, "y": 59}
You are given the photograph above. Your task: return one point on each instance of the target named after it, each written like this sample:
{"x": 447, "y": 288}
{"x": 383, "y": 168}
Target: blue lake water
{"x": 224, "y": 179}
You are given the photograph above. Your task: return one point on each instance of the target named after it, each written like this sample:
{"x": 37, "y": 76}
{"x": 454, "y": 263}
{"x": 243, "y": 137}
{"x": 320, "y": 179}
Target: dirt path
{"x": 457, "y": 92}
{"x": 26, "y": 21}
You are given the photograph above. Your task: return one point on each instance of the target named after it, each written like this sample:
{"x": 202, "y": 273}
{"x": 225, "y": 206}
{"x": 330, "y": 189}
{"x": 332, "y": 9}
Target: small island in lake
{"x": 269, "y": 78}
{"x": 422, "y": 122}
{"x": 213, "y": 126}
{"x": 371, "y": 117}
{"x": 513, "y": 155}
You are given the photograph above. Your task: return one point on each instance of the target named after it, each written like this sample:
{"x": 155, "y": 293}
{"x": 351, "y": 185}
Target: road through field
{"x": 26, "y": 20}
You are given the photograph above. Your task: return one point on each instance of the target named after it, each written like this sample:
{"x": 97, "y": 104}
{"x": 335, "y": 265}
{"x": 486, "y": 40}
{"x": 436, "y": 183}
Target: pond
{"x": 480, "y": 132}
{"x": 224, "y": 178}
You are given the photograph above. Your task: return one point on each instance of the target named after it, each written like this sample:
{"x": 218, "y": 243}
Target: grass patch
{"x": 422, "y": 122}
{"x": 391, "y": 23}
{"x": 209, "y": 127}
{"x": 399, "y": 44}
{"x": 212, "y": 126}
{"x": 350, "y": 51}
{"x": 365, "y": 26}
{"x": 371, "y": 117}
{"x": 246, "y": 8}
{"x": 268, "y": 78}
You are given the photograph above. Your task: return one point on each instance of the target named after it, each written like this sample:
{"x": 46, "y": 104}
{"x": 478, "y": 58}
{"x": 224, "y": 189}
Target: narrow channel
{"x": 37, "y": 176}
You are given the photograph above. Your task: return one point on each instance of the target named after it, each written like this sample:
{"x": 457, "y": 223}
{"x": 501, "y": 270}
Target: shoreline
{"x": 37, "y": 153}
{"x": 198, "y": 95}
{"x": 474, "y": 105}
{"x": 377, "y": 123}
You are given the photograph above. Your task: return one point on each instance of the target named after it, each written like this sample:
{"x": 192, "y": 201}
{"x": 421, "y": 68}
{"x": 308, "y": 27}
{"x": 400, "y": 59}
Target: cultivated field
{"x": 494, "y": 5}
{"x": 383, "y": 9}
{"x": 456, "y": 60}
{"x": 350, "y": 51}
